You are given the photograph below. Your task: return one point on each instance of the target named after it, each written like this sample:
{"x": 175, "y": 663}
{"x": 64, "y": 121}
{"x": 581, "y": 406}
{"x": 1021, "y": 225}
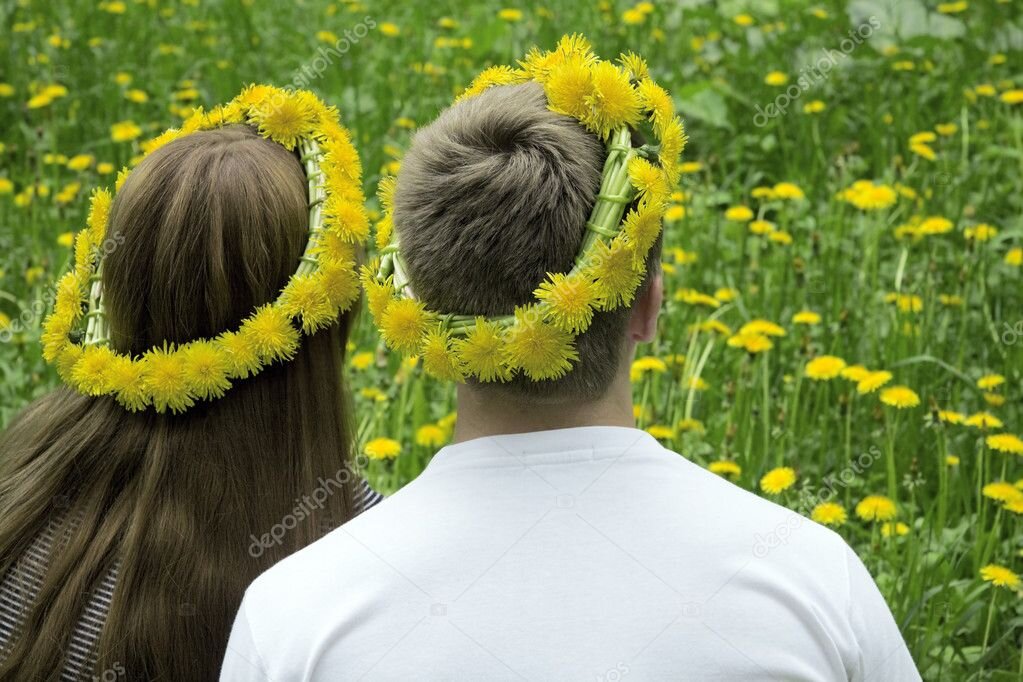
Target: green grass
{"x": 759, "y": 411}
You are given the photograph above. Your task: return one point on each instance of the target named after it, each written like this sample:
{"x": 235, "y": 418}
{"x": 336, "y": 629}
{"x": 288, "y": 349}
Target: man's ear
{"x": 643, "y": 323}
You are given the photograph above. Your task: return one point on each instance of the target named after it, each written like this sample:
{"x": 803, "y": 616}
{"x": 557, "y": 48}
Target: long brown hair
{"x": 204, "y": 230}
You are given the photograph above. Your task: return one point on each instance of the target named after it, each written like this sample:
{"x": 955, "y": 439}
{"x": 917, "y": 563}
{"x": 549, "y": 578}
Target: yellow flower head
{"x": 285, "y": 117}
{"x": 725, "y": 467}
{"x": 90, "y": 373}
{"x": 431, "y": 436}
{"x": 1005, "y": 442}
{"x": 166, "y": 380}
{"x": 481, "y": 352}
{"x": 403, "y": 324}
{"x": 778, "y": 480}
{"x": 807, "y": 317}
{"x": 876, "y": 508}
{"x": 990, "y": 381}
{"x": 1000, "y": 576}
{"x": 382, "y": 448}
{"x": 540, "y": 350}
{"x": 613, "y": 100}
{"x": 438, "y": 357}
{"x": 873, "y": 381}
{"x": 570, "y": 298}
{"x": 824, "y": 367}
{"x": 614, "y": 275}
{"x": 829, "y": 514}
{"x": 900, "y": 397}
{"x": 983, "y": 420}
{"x": 272, "y": 333}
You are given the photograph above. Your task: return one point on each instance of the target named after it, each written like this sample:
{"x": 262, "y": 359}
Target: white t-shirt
{"x": 577, "y": 554}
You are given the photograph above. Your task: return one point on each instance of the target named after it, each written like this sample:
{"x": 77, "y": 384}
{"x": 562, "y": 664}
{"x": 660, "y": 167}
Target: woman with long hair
{"x": 200, "y": 441}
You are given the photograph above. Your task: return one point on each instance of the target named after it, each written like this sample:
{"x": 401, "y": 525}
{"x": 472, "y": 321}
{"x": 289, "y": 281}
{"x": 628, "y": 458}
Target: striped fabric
{"x": 22, "y": 582}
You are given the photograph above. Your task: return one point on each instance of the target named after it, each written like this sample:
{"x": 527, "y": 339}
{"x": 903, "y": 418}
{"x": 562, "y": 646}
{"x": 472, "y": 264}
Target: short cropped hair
{"x": 493, "y": 196}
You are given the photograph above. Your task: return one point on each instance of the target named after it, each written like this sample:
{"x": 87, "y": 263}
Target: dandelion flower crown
{"x": 76, "y": 335}
{"x": 538, "y": 340}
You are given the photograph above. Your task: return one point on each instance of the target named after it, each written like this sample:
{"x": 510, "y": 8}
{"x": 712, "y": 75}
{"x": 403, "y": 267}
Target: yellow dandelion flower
{"x": 127, "y": 380}
{"x": 90, "y": 373}
{"x": 760, "y": 226}
{"x": 824, "y": 367}
{"x": 778, "y": 480}
{"x": 404, "y": 323}
{"x": 1014, "y": 256}
{"x": 241, "y": 353}
{"x": 873, "y": 381}
{"x": 206, "y": 366}
{"x": 124, "y": 131}
{"x": 1002, "y": 491}
{"x": 488, "y": 78}
{"x": 829, "y": 514}
{"x": 951, "y": 417}
{"x": 896, "y": 528}
{"x": 99, "y": 215}
{"x": 656, "y": 100}
{"x": 951, "y": 460}
{"x": 762, "y": 326}
{"x": 615, "y": 277}
{"x": 725, "y": 467}
{"x": 634, "y": 65}
{"x": 994, "y": 399}
{"x": 694, "y": 425}
{"x": 645, "y": 365}
{"x": 1005, "y": 442}
{"x": 1000, "y": 576}
{"x": 855, "y": 373}
{"x": 165, "y": 380}
{"x": 284, "y": 117}
{"x": 346, "y": 218}
{"x": 338, "y": 281}
{"x": 304, "y": 297}
{"x": 900, "y": 397}
{"x": 438, "y": 358}
{"x": 807, "y": 317}
{"x": 431, "y": 436}
{"x": 876, "y": 508}
{"x": 990, "y": 381}
{"x": 540, "y": 350}
{"x": 981, "y": 232}
{"x": 568, "y": 86}
{"x": 641, "y": 227}
{"x": 481, "y": 352}
{"x": 739, "y": 214}
{"x": 382, "y": 448}
{"x": 661, "y": 432}
{"x": 570, "y": 300}
{"x": 271, "y": 332}
{"x": 983, "y": 420}
{"x": 788, "y": 190}
{"x": 751, "y": 342}
{"x": 694, "y": 297}
{"x": 649, "y": 180}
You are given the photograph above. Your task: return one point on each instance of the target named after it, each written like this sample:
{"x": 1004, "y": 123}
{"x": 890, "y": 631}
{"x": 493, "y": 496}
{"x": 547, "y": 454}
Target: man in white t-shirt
{"x": 553, "y": 540}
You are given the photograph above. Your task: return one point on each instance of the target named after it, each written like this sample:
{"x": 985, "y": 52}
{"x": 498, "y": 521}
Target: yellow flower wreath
{"x": 538, "y": 339}
{"x": 76, "y": 336}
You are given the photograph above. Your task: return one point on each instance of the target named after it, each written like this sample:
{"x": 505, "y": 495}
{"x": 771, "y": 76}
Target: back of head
{"x": 492, "y": 196}
{"x": 204, "y": 230}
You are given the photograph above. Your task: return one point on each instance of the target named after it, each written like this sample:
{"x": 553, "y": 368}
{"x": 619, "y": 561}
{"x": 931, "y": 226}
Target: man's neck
{"x": 485, "y": 412}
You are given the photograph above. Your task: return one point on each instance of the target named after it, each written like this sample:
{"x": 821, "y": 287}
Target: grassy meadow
{"x": 843, "y": 325}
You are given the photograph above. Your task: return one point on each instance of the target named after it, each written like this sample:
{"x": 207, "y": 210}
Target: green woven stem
{"x": 616, "y": 192}
{"x": 310, "y": 155}
{"x": 97, "y": 330}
